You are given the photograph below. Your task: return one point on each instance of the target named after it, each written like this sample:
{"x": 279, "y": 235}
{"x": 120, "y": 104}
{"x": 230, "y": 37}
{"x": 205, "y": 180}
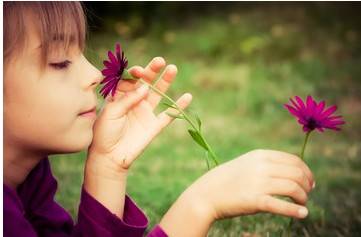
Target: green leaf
{"x": 207, "y": 157}
{"x": 198, "y": 121}
{"x": 168, "y": 105}
{"x": 175, "y": 115}
{"x": 198, "y": 138}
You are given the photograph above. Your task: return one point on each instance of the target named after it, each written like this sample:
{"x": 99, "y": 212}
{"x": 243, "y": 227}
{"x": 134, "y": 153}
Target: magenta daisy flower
{"x": 314, "y": 116}
{"x": 113, "y": 71}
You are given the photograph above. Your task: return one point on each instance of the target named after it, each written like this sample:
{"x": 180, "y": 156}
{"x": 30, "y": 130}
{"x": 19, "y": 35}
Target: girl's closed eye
{"x": 60, "y": 65}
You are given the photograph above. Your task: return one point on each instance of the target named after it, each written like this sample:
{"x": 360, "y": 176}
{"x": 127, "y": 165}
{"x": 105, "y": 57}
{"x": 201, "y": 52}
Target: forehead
{"x": 48, "y": 39}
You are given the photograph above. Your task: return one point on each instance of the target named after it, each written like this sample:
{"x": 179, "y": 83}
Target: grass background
{"x": 241, "y": 62}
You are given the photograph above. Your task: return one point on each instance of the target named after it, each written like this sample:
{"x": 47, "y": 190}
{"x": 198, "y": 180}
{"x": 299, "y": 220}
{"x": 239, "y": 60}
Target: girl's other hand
{"x": 249, "y": 183}
{"x": 246, "y": 185}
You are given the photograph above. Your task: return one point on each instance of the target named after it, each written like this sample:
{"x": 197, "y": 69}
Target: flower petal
{"x": 108, "y": 79}
{"x": 337, "y": 122}
{"x": 320, "y": 107}
{"x": 117, "y": 51}
{"x": 330, "y": 110}
{"x": 292, "y": 110}
{"x": 114, "y": 89}
{"x": 310, "y": 101}
{"x": 311, "y": 105}
{"x": 112, "y": 57}
{"x": 306, "y": 129}
{"x": 300, "y": 102}
{"x": 295, "y": 104}
{"x": 109, "y": 72}
{"x": 110, "y": 65}
{"x": 335, "y": 117}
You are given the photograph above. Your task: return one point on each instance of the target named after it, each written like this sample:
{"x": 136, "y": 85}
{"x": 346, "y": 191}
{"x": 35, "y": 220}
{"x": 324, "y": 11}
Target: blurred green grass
{"x": 241, "y": 67}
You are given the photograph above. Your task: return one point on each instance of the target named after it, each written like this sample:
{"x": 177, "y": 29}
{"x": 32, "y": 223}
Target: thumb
{"x": 121, "y": 105}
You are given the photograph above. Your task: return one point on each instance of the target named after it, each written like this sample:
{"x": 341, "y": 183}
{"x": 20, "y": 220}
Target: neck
{"x": 18, "y": 163}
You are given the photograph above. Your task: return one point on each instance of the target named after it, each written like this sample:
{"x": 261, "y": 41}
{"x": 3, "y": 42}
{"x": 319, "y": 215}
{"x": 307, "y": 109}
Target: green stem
{"x": 289, "y": 228}
{"x": 186, "y": 117}
{"x": 302, "y": 157}
{"x": 304, "y": 145}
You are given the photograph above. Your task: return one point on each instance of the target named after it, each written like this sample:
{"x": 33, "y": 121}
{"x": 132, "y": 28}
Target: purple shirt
{"x": 31, "y": 211}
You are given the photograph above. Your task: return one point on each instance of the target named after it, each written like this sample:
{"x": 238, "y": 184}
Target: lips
{"x": 91, "y": 110}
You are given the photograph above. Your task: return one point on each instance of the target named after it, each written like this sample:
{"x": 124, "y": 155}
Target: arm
{"x": 94, "y": 219}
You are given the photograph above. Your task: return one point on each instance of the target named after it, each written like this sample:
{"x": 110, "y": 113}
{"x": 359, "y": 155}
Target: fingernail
{"x": 302, "y": 212}
{"x": 142, "y": 89}
{"x": 313, "y": 185}
{"x": 158, "y": 59}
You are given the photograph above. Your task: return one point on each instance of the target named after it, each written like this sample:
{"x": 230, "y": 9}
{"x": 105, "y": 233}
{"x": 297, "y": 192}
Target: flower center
{"x": 312, "y": 123}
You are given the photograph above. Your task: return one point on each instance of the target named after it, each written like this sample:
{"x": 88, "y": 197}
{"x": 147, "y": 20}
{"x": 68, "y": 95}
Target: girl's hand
{"x": 245, "y": 185}
{"x": 127, "y": 123}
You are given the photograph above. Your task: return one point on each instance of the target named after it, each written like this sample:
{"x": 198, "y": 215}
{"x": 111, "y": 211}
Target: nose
{"x": 92, "y": 77}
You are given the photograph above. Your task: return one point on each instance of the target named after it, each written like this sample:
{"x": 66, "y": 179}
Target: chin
{"x": 86, "y": 141}
{"x": 80, "y": 143}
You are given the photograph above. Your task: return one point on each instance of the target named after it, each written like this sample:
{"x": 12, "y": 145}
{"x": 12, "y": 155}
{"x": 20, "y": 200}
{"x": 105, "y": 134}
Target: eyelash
{"x": 60, "y": 65}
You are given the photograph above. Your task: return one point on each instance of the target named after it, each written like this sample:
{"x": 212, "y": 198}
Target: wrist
{"x": 188, "y": 210}
{"x": 104, "y": 165}
{"x": 106, "y": 184}
{"x": 199, "y": 203}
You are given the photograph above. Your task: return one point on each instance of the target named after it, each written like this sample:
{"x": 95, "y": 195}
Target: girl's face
{"x": 42, "y": 107}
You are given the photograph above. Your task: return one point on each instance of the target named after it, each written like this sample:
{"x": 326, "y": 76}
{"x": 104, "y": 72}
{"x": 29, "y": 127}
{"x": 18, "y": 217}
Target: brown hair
{"x": 59, "y": 22}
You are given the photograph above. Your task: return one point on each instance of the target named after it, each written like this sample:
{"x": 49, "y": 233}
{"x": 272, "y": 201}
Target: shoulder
{"x": 39, "y": 187}
{"x": 12, "y": 204}
{"x": 15, "y": 223}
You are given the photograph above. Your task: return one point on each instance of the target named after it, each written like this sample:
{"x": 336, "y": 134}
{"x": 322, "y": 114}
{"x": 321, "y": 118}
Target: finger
{"x": 283, "y": 157}
{"x": 163, "y": 84}
{"x": 293, "y": 173}
{"x": 117, "y": 108}
{"x": 130, "y": 85}
{"x": 274, "y": 205}
{"x": 289, "y": 188}
{"x": 152, "y": 69}
{"x": 183, "y": 102}
{"x": 136, "y": 71}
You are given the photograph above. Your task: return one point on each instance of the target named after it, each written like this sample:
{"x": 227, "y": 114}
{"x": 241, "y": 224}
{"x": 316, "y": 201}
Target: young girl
{"x": 49, "y": 108}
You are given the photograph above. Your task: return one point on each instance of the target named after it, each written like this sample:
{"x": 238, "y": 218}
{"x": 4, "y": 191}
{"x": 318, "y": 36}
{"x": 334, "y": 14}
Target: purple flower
{"x": 314, "y": 116}
{"x": 113, "y": 71}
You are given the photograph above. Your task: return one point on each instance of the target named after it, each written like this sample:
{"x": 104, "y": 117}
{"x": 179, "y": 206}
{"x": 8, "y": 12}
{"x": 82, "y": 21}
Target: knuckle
{"x": 301, "y": 198}
{"x": 258, "y": 153}
{"x": 263, "y": 203}
{"x": 304, "y": 198}
{"x": 294, "y": 188}
{"x": 299, "y": 174}
{"x": 312, "y": 177}
{"x": 283, "y": 208}
{"x": 261, "y": 169}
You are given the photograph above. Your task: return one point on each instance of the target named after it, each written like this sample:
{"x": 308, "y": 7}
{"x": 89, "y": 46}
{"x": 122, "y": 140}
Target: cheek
{"x": 49, "y": 120}
{"x": 68, "y": 131}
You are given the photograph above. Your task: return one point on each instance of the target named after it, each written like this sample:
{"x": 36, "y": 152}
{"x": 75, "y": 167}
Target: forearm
{"x": 187, "y": 217}
{"x": 106, "y": 184}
